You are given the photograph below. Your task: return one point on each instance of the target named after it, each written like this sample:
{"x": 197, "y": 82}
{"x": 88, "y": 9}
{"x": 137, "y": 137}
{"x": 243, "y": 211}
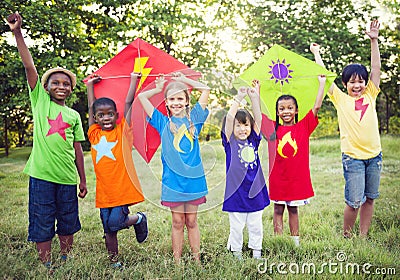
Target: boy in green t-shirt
{"x": 56, "y": 155}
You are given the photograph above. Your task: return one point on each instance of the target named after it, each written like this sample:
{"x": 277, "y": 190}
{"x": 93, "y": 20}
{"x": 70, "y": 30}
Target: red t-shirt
{"x": 116, "y": 179}
{"x": 289, "y": 170}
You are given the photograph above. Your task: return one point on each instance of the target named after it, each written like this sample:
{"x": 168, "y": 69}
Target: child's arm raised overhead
{"x": 90, "y": 96}
{"x": 205, "y": 90}
{"x": 254, "y": 94}
{"x": 230, "y": 116}
{"x": 130, "y": 96}
{"x": 320, "y": 95}
{"x": 15, "y": 22}
{"x": 144, "y": 97}
{"x": 375, "y": 76}
{"x": 314, "y": 48}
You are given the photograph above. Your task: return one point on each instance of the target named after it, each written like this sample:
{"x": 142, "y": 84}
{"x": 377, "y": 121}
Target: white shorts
{"x": 292, "y": 202}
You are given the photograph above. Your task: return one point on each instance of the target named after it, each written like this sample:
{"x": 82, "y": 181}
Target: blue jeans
{"x": 362, "y": 179}
{"x": 114, "y": 218}
{"x": 49, "y": 202}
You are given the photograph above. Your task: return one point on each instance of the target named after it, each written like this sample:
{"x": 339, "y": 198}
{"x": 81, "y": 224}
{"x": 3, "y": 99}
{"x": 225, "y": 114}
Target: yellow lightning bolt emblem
{"x": 182, "y": 131}
{"x": 287, "y": 138}
{"x": 138, "y": 67}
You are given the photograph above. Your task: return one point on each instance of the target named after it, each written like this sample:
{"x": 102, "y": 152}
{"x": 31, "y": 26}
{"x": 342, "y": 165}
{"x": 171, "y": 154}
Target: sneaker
{"x": 238, "y": 255}
{"x": 296, "y": 240}
{"x": 117, "y": 265}
{"x": 257, "y": 254}
{"x": 50, "y": 268}
{"x": 141, "y": 229}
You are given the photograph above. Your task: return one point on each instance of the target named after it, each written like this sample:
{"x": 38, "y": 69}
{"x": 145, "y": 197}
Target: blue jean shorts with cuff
{"x": 362, "y": 179}
{"x": 50, "y": 202}
{"x": 114, "y": 218}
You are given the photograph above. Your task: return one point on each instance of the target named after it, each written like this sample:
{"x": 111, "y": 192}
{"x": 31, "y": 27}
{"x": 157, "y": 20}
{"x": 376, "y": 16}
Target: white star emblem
{"x": 103, "y": 149}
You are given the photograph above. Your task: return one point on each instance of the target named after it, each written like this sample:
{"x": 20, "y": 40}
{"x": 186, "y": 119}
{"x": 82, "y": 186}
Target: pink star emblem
{"x": 58, "y": 126}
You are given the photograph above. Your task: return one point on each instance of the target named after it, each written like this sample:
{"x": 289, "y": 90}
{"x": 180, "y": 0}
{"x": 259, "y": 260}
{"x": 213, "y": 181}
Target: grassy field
{"x": 323, "y": 250}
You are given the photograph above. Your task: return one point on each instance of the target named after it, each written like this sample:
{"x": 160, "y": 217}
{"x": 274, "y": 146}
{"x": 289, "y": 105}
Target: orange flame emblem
{"x": 287, "y": 139}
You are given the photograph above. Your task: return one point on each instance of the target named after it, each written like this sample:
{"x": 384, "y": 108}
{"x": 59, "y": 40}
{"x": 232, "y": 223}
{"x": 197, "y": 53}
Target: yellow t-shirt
{"x": 358, "y": 122}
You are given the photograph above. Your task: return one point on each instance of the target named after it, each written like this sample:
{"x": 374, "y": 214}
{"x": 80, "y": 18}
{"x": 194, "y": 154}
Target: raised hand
{"x": 94, "y": 79}
{"x": 241, "y": 93}
{"x": 373, "y": 30}
{"x": 321, "y": 78}
{"x": 160, "y": 82}
{"x": 314, "y": 48}
{"x": 256, "y": 85}
{"x": 253, "y": 92}
{"x": 14, "y": 21}
{"x": 178, "y": 76}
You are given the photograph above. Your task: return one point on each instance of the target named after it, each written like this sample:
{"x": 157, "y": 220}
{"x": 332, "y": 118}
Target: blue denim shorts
{"x": 49, "y": 202}
{"x": 362, "y": 179}
{"x": 114, "y": 218}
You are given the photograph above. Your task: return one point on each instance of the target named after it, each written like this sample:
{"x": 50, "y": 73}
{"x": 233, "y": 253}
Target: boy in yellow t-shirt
{"x": 359, "y": 135}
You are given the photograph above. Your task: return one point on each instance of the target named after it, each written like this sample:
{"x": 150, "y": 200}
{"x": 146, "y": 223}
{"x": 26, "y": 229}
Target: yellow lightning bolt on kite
{"x": 138, "y": 67}
{"x": 287, "y": 138}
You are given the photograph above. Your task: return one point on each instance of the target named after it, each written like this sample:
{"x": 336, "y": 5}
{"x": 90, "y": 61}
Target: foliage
{"x": 338, "y": 26}
{"x": 320, "y": 227}
{"x": 82, "y": 35}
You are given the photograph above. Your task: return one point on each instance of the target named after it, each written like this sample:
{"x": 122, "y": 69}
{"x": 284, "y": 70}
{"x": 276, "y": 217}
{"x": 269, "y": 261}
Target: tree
{"x": 82, "y": 35}
{"x": 337, "y": 26}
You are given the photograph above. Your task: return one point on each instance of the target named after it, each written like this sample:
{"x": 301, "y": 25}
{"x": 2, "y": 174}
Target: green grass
{"x": 320, "y": 227}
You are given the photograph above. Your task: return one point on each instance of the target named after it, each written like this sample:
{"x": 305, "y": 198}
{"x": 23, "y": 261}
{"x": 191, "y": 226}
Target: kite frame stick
{"x": 149, "y": 75}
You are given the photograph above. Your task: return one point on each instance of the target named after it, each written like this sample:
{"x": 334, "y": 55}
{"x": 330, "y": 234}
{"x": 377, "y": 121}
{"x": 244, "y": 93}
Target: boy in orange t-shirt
{"x": 117, "y": 184}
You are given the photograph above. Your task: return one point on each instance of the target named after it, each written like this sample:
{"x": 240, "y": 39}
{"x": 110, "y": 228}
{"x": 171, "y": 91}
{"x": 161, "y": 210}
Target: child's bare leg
{"x": 366, "y": 211}
{"x": 193, "y": 230}
{"x": 66, "y": 242}
{"x": 132, "y": 220}
{"x": 293, "y": 220}
{"x": 278, "y": 218}
{"x": 44, "y": 251}
{"x": 178, "y": 222}
{"x": 350, "y": 216}
{"x": 112, "y": 246}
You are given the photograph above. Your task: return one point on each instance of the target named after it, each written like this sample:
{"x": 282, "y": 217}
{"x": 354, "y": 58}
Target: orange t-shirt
{"x": 116, "y": 179}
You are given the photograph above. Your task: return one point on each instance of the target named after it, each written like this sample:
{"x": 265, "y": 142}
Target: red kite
{"x": 141, "y": 57}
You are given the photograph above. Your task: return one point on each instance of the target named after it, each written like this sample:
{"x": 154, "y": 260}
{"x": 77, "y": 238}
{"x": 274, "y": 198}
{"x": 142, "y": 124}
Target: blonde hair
{"x": 172, "y": 88}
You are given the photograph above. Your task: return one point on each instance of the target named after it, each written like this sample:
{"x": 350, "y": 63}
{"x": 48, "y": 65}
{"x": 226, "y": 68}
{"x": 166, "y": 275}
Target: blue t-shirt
{"x": 183, "y": 176}
{"x": 245, "y": 190}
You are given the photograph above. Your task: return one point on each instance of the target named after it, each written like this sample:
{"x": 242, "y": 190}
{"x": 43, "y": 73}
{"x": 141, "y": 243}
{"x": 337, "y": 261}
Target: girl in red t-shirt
{"x": 288, "y": 147}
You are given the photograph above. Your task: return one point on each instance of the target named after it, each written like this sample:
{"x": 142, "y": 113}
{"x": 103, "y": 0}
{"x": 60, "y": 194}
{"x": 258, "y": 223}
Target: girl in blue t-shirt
{"x": 246, "y": 193}
{"x": 183, "y": 181}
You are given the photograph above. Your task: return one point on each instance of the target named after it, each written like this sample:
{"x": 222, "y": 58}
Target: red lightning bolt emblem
{"x": 359, "y": 106}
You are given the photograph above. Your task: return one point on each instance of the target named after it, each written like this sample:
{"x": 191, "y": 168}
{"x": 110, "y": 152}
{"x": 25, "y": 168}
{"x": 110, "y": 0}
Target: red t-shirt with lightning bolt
{"x": 289, "y": 167}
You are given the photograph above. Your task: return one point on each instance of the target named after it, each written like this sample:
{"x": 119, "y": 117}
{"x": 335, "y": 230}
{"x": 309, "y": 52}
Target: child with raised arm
{"x": 117, "y": 184}
{"x": 56, "y": 156}
{"x": 288, "y": 145}
{"x": 246, "y": 194}
{"x": 359, "y": 135}
{"x": 183, "y": 181}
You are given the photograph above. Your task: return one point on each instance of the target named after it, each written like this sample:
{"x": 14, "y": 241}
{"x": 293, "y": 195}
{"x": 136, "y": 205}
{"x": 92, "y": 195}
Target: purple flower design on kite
{"x": 280, "y": 71}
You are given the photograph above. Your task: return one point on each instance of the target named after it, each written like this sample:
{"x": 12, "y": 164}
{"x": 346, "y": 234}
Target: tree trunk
{"x": 5, "y": 135}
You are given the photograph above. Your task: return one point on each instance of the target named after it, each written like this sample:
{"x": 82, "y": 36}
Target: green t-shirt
{"x": 56, "y": 128}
